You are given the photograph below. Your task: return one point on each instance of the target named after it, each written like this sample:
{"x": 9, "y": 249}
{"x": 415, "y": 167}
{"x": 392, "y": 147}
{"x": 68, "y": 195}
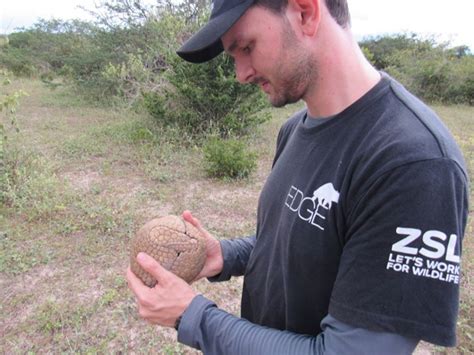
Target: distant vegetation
{"x": 127, "y": 55}
{"x": 435, "y": 72}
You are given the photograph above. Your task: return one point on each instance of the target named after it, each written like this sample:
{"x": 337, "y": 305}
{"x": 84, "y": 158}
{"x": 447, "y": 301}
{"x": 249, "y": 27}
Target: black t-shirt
{"x": 362, "y": 217}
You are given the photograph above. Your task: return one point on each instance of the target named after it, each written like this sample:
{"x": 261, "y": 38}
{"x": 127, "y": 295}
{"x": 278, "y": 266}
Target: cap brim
{"x": 206, "y": 43}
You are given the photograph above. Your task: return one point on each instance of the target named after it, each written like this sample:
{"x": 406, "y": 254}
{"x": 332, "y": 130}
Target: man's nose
{"x": 244, "y": 71}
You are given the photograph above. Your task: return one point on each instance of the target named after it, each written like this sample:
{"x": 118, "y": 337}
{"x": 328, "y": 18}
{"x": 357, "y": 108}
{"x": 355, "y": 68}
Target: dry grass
{"x": 62, "y": 258}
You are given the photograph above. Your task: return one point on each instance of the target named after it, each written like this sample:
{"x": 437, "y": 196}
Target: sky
{"x": 448, "y": 21}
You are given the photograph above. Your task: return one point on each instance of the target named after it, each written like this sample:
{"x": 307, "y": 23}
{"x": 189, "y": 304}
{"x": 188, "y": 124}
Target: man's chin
{"x": 278, "y": 104}
{"x": 281, "y": 101}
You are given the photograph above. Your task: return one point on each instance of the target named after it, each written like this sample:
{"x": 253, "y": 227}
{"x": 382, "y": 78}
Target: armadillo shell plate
{"x": 176, "y": 244}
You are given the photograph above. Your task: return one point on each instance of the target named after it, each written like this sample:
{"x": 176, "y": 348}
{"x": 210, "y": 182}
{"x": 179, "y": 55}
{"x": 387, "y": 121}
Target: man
{"x": 359, "y": 227}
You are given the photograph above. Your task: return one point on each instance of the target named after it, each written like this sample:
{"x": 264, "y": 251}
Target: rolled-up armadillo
{"x": 176, "y": 244}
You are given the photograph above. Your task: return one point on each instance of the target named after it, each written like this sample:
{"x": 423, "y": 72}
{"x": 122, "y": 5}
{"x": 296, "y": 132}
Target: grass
{"x": 88, "y": 178}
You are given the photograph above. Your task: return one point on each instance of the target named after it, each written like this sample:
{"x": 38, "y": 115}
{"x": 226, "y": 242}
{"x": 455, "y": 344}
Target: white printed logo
{"x": 433, "y": 260}
{"x": 311, "y": 209}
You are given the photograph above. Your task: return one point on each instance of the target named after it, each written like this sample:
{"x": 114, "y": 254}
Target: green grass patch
{"x": 52, "y": 316}
{"x": 82, "y": 146}
{"x": 31, "y": 186}
{"x": 17, "y": 258}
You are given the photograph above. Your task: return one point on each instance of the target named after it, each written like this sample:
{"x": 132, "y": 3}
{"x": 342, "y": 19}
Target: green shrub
{"x": 155, "y": 103}
{"x": 383, "y": 48}
{"x": 19, "y": 61}
{"x": 436, "y": 76}
{"x": 3, "y": 40}
{"x": 127, "y": 78}
{"x": 206, "y": 98}
{"x": 228, "y": 158}
{"x": 464, "y": 82}
{"x": 431, "y": 71}
{"x": 29, "y": 184}
{"x": 8, "y": 130}
{"x": 368, "y": 54}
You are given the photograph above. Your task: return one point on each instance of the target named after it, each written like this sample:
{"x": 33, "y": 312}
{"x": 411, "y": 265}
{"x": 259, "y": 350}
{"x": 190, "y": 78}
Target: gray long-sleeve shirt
{"x": 214, "y": 331}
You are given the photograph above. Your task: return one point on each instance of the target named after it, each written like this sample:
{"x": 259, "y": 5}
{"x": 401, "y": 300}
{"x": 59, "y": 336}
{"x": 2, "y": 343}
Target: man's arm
{"x": 213, "y": 331}
{"x": 236, "y": 253}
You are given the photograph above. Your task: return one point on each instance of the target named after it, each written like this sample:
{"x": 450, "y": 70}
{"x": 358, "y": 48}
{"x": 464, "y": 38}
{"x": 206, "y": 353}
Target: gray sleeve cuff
{"x": 226, "y": 274}
{"x": 236, "y": 253}
{"x": 189, "y": 327}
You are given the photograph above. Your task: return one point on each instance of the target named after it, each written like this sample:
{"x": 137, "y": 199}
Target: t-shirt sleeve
{"x": 400, "y": 266}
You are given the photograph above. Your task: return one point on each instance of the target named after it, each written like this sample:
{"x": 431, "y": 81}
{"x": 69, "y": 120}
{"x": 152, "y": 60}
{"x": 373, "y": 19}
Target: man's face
{"x": 267, "y": 52}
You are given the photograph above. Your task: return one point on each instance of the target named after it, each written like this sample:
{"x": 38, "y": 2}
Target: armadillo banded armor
{"x": 176, "y": 244}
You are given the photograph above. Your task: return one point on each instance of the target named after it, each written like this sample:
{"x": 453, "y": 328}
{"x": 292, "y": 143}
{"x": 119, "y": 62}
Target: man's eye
{"x": 246, "y": 49}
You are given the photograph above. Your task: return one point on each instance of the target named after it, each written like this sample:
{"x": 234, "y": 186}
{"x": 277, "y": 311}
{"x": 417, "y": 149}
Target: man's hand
{"x": 214, "y": 259}
{"x": 165, "y": 302}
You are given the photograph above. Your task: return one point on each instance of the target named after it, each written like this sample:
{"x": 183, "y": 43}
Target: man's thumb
{"x": 153, "y": 267}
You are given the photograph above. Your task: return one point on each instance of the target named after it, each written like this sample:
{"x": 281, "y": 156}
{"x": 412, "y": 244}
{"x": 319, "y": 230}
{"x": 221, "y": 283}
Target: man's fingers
{"x": 191, "y": 219}
{"x": 187, "y": 216}
{"x": 154, "y": 268}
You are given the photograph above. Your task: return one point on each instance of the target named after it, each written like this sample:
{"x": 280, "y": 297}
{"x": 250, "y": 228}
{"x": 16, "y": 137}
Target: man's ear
{"x": 308, "y": 14}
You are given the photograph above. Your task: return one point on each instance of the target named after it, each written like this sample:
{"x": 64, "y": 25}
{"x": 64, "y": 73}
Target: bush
{"x": 436, "y": 77}
{"x": 29, "y": 184}
{"x": 199, "y": 99}
{"x": 368, "y": 54}
{"x": 19, "y": 61}
{"x": 228, "y": 158}
{"x": 383, "y": 48}
{"x": 8, "y": 129}
{"x": 464, "y": 82}
{"x": 155, "y": 105}
{"x": 206, "y": 98}
{"x": 431, "y": 71}
{"x": 47, "y": 46}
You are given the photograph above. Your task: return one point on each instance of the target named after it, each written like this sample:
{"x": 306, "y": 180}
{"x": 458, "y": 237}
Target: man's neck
{"x": 344, "y": 76}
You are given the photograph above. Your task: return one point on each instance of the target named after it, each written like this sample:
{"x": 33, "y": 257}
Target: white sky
{"x": 448, "y": 20}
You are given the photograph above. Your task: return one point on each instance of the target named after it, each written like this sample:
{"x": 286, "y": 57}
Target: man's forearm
{"x": 214, "y": 331}
{"x": 236, "y": 253}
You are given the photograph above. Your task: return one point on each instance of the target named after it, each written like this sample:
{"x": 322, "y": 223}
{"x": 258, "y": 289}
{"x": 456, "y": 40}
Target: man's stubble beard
{"x": 295, "y": 71}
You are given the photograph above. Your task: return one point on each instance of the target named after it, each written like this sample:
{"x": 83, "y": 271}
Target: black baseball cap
{"x": 206, "y": 43}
